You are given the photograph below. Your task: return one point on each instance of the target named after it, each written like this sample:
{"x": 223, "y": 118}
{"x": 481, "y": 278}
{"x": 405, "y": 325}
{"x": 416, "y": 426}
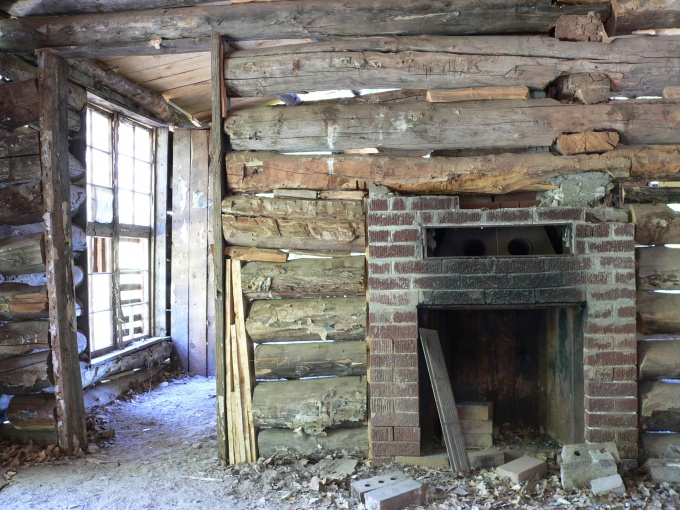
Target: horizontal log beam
{"x": 493, "y": 174}
{"x": 284, "y": 443}
{"x": 286, "y": 320}
{"x": 632, "y": 15}
{"x": 32, "y": 412}
{"x": 633, "y": 194}
{"x": 632, "y": 65}
{"x": 23, "y": 8}
{"x": 19, "y": 301}
{"x": 27, "y": 168}
{"x": 659, "y": 359}
{"x": 21, "y": 338}
{"x": 304, "y": 278}
{"x": 292, "y": 19}
{"x": 658, "y": 268}
{"x": 293, "y": 361}
{"x": 311, "y": 405}
{"x": 659, "y": 406}
{"x": 18, "y": 103}
{"x": 292, "y": 208}
{"x": 27, "y": 144}
{"x": 656, "y": 224}
{"x": 529, "y": 123}
{"x": 657, "y": 313}
{"x": 23, "y": 375}
{"x": 21, "y": 204}
{"x": 22, "y": 255}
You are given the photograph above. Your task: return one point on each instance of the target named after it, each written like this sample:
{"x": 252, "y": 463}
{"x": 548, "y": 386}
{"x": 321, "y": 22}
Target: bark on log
{"x": 633, "y": 194}
{"x": 311, "y": 405}
{"x": 658, "y": 268}
{"x": 658, "y": 313}
{"x": 588, "y": 88}
{"x": 304, "y": 278}
{"x": 293, "y": 19}
{"x": 590, "y": 142}
{"x": 286, "y": 320}
{"x": 19, "y": 301}
{"x": 659, "y": 359}
{"x": 632, "y": 15}
{"x": 32, "y": 412}
{"x": 655, "y": 224}
{"x": 493, "y": 174}
{"x": 529, "y": 123}
{"x": 659, "y": 406}
{"x": 293, "y": 224}
{"x": 20, "y": 145}
{"x": 289, "y": 444}
{"x": 27, "y": 168}
{"x": 22, "y": 255}
{"x": 293, "y": 361}
{"x": 20, "y": 338}
{"x": 433, "y": 62}
{"x": 127, "y": 359}
{"x": 21, "y": 204}
{"x": 24, "y": 375}
{"x": 18, "y": 103}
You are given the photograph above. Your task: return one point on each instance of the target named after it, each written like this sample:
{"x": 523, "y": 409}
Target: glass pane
{"x": 100, "y": 204}
{"x": 142, "y": 210}
{"x": 125, "y": 139}
{"x": 99, "y": 251}
{"x": 143, "y": 177}
{"x": 125, "y": 206}
{"x": 101, "y": 131}
{"x": 142, "y": 144}
{"x": 99, "y": 168}
{"x": 101, "y": 285}
{"x": 126, "y": 172}
{"x": 101, "y": 330}
{"x": 133, "y": 253}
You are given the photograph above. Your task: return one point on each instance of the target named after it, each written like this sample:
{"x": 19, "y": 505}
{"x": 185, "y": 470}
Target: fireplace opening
{"x": 527, "y": 362}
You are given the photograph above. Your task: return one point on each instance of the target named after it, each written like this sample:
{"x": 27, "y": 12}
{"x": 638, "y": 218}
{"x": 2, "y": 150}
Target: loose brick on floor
{"x": 475, "y": 410}
{"x": 611, "y": 483}
{"x": 664, "y": 470}
{"x": 522, "y": 469}
{"x": 361, "y": 487}
{"x": 396, "y": 496}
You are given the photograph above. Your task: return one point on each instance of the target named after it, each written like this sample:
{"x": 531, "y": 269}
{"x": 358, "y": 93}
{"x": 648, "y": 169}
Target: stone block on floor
{"x": 522, "y": 469}
{"x": 475, "y": 410}
{"x": 577, "y": 452}
{"x": 611, "y": 483}
{"x": 578, "y": 474}
{"x": 396, "y": 496}
{"x": 664, "y": 470}
{"x": 360, "y": 487}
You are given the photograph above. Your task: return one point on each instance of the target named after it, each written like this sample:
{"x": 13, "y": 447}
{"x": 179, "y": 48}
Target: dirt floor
{"x": 164, "y": 455}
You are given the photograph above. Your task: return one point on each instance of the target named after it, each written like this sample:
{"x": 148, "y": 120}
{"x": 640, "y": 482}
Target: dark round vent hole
{"x": 520, "y": 246}
{"x": 473, "y": 248}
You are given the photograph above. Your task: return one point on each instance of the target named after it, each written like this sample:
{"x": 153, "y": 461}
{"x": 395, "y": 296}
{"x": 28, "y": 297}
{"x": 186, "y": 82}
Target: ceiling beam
{"x": 97, "y": 34}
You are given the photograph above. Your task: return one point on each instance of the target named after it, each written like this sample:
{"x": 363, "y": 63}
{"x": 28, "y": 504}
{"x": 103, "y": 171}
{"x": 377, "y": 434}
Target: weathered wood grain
{"x": 311, "y": 405}
{"x": 304, "y": 278}
{"x": 655, "y": 224}
{"x": 658, "y": 268}
{"x": 22, "y": 8}
{"x": 659, "y": 359}
{"x": 588, "y": 88}
{"x": 590, "y": 142}
{"x": 18, "y": 103}
{"x": 22, "y": 255}
{"x": 285, "y": 443}
{"x": 19, "y": 301}
{"x": 583, "y": 28}
{"x": 282, "y": 208}
{"x": 21, "y": 204}
{"x": 636, "y": 194}
{"x": 659, "y": 406}
{"x": 285, "y": 320}
{"x": 27, "y": 144}
{"x": 23, "y": 375}
{"x": 32, "y": 412}
{"x": 27, "y": 168}
{"x": 21, "y": 338}
{"x": 492, "y": 174}
{"x": 255, "y": 254}
{"x": 630, "y": 15}
{"x": 477, "y": 94}
{"x": 528, "y": 123}
{"x": 657, "y": 313}
{"x": 293, "y": 361}
{"x": 292, "y": 19}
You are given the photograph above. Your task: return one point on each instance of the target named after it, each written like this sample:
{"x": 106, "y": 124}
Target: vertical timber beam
{"x": 52, "y": 84}
{"x": 160, "y": 245}
{"x": 216, "y": 173}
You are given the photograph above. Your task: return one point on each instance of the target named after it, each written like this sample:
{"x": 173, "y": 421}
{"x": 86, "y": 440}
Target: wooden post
{"x": 71, "y": 430}
{"x": 161, "y": 213}
{"x": 215, "y": 219}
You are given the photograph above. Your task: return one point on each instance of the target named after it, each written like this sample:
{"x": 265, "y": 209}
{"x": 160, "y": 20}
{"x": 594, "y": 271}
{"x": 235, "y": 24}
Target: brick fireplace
{"x": 590, "y": 285}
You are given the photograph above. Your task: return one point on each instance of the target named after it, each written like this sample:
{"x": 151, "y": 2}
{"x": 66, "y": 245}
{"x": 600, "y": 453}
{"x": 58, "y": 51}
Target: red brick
{"x": 406, "y": 235}
{"x": 611, "y": 420}
{"x": 600, "y": 312}
{"x": 405, "y": 390}
{"x": 611, "y": 405}
{"x": 599, "y": 435}
{"x": 624, "y": 230}
{"x": 394, "y": 448}
{"x": 628, "y": 277}
{"x": 622, "y": 262}
{"x": 432, "y": 203}
{"x": 610, "y": 342}
{"x": 609, "y": 358}
{"x": 382, "y": 434}
{"x": 405, "y": 317}
{"x": 393, "y": 251}
{"x": 394, "y": 419}
{"x": 380, "y": 345}
{"x": 378, "y": 236}
{"x": 377, "y": 204}
{"x": 406, "y": 374}
{"x": 560, "y": 214}
{"x": 394, "y": 331}
{"x": 406, "y": 405}
{"x": 560, "y": 295}
{"x": 388, "y": 283}
{"x": 381, "y": 360}
{"x": 397, "y": 204}
{"x": 393, "y": 298}
{"x": 390, "y": 219}
{"x": 612, "y": 294}
{"x": 626, "y": 311}
{"x": 610, "y": 389}
{"x": 380, "y": 317}
{"x": 600, "y": 278}
{"x": 630, "y": 435}
{"x": 439, "y": 282}
{"x": 382, "y": 405}
{"x": 625, "y": 373}
{"x": 381, "y": 390}
{"x": 406, "y": 360}
{"x": 418, "y": 267}
{"x": 627, "y": 450}
{"x": 510, "y": 215}
{"x": 461, "y": 216}
{"x": 406, "y": 346}
{"x": 379, "y": 267}
{"x": 611, "y": 246}
{"x": 599, "y": 374}
{"x": 407, "y": 434}
{"x": 590, "y": 230}
{"x": 381, "y": 374}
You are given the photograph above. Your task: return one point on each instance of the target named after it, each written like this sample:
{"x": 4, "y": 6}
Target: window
{"x": 120, "y": 183}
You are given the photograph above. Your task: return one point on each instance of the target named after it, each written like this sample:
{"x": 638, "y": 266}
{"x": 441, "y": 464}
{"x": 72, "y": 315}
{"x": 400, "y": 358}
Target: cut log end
{"x": 587, "y": 28}
{"x": 589, "y": 142}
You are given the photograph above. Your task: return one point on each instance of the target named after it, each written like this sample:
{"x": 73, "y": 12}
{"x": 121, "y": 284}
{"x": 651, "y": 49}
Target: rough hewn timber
{"x": 19, "y": 301}
{"x": 635, "y": 194}
{"x": 21, "y": 204}
{"x": 311, "y": 405}
{"x": 22, "y": 8}
{"x": 27, "y": 168}
{"x": 521, "y": 123}
{"x": 657, "y": 313}
{"x": 588, "y": 88}
{"x": 659, "y": 406}
{"x": 22, "y": 255}
{"x": 590, "y": 142}
{"x": 584, "y": 28}
{"x": 23, "y": 375}
{"x": 293, "y": 223}
{"x": 632, "y": 15}
{"x": 293, "y": 19}
{"x": 18, "y": 103}
{"x": 304, "y": 278}
{"x": 285, "y": 320}
{"x": 286, "y": 443}
{"x": 293, "y": 361}
{"x": 109, "y": 391}
{"x": 659, "y": 359}
{"x": 32, "y": 412}
{"x": 658, "y": 268}
{"x": 19, "y": 338}
{"x": 127, "y": 359}
{"x": 655, "y": 224}
{"x": 477, "y": 94}
{"x": 27, "y": 144}
{"x": 492, "y": 174}
{"x": 432, "y": 62}
{"x": 59, "y": 246}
